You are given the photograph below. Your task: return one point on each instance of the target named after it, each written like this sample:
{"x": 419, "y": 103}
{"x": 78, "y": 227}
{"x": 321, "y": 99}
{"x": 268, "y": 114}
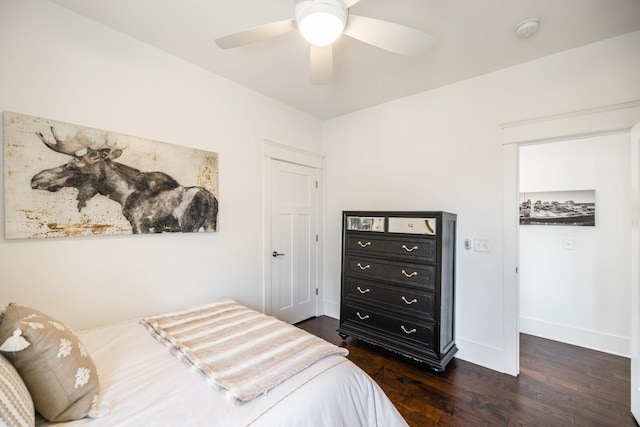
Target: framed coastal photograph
{"x": 576, "y": 207}
{"x": 65, "y": 180}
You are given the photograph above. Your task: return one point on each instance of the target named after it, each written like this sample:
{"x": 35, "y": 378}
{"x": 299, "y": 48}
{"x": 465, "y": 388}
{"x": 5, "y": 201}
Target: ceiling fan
{"x": 321, "y": 22}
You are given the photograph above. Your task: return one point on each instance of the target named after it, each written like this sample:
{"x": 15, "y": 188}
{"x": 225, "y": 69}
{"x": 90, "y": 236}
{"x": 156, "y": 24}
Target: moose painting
{"x": 106, "y": 183}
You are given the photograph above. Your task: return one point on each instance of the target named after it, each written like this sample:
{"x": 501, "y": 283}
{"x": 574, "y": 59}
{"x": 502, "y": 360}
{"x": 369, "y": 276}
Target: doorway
{"x": 559, "y": 127}
{"x": 575, "y": 279}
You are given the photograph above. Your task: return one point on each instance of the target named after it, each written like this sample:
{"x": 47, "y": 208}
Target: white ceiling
{"x": 473, "y": 37}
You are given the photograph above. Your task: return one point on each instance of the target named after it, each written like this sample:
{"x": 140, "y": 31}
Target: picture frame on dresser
{"x": 398, "y": 283}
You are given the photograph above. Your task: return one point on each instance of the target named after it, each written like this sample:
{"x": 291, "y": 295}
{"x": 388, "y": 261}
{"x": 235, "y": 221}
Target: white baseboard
{"x": 595, "y": 340}
{"x": 330, "y": 309}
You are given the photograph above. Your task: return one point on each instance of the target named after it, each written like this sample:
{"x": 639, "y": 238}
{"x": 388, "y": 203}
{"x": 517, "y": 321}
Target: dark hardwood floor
{"x": 558, "y": 385}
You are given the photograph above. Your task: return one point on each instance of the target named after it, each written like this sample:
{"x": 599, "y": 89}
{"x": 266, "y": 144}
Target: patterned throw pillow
{"x": 52, "y": 362}
{"x": 16, "y": 406}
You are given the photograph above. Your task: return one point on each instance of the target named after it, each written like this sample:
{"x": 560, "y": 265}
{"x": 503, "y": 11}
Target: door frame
{"x": 635, "y": 271}
{"x": 559, "y": 127}
{"x": 277, "y": 151}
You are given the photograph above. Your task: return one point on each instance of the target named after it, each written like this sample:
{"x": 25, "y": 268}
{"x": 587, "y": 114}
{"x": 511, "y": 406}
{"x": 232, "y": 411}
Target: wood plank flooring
{"x": 558, "y": 385}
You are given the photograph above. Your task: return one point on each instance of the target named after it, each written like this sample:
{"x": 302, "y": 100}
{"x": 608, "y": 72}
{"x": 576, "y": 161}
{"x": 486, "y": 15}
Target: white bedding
{"x": 146, "y": 386}
{"x": 241, "y": 352}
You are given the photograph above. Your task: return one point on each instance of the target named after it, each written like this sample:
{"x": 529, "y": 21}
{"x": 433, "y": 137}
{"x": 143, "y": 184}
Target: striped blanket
{"x": 241, "y": 352}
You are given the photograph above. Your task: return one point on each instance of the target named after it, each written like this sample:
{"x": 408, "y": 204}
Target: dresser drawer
{"x": 418, "y": 275}
{"x": 424, "y": 249}
{"x": 406, "y": 331}
{"x": 419, "y": 303}
{"x": 412, "y": 225}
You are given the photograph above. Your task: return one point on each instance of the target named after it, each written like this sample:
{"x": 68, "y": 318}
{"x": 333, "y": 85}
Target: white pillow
{"x": 16, "y": 406}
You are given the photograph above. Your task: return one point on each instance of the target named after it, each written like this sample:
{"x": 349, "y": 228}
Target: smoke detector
{"x": 527, "y": 28}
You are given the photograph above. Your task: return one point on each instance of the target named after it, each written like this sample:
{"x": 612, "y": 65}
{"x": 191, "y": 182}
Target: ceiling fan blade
{"x": 256, "y": 34}
{"x": 321, "y": 65}
{"x": 349, "y": 3}
{"x": 389, "y": 36}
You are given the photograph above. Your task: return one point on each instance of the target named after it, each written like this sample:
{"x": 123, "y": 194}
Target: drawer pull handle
{"x": 364, "y": 267}
{"x": 365, "y": 317}
{"x": 409, "y": 249}
{"x": 408, "y": 332}
{"x": 363, "y": 245}
{"x": 415, "y": 273}
{"x": 408, "y": 302}
{"x": 364, "y": 291}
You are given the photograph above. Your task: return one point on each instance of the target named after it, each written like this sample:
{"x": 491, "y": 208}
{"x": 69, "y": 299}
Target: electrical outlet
{"x": 481, "y": 245}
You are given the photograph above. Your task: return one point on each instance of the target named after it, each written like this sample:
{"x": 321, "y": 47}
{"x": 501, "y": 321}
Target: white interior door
{"x": 294, "y": 253}
{"x": 635, "y": 272}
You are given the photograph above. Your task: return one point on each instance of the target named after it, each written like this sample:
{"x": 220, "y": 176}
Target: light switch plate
{"x": 481, "y": 245}
{"x": 567, "y": 244}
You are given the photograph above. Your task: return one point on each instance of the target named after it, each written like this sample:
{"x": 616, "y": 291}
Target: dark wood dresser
{"x": 398, "y": 282}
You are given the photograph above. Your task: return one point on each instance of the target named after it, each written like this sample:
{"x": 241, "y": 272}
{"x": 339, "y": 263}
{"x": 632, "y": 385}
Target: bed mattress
{"x": 143, "y": 384}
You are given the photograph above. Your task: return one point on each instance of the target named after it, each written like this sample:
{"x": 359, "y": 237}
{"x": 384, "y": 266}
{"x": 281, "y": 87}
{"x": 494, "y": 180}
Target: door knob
{"x": 276, "y": 254}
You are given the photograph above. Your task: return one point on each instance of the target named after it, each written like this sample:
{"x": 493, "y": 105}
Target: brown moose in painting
{"x": 152, "y": 202}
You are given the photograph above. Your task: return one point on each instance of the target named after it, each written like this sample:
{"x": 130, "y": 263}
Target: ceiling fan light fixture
{"x": 321, "y": 22}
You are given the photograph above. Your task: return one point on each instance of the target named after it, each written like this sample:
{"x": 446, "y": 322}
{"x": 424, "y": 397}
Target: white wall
{"x": 442, "y": 150}
{"x": 58, "y": 65}
{"x": 579, "y": 296}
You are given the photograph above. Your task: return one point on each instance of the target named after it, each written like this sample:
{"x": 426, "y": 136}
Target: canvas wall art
{"x": 66, "y": 180}
{"x": 558, "y": 208}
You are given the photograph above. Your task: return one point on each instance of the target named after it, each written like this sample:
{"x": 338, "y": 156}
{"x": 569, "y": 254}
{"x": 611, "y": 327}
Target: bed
{"x": 146, "y": 380}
